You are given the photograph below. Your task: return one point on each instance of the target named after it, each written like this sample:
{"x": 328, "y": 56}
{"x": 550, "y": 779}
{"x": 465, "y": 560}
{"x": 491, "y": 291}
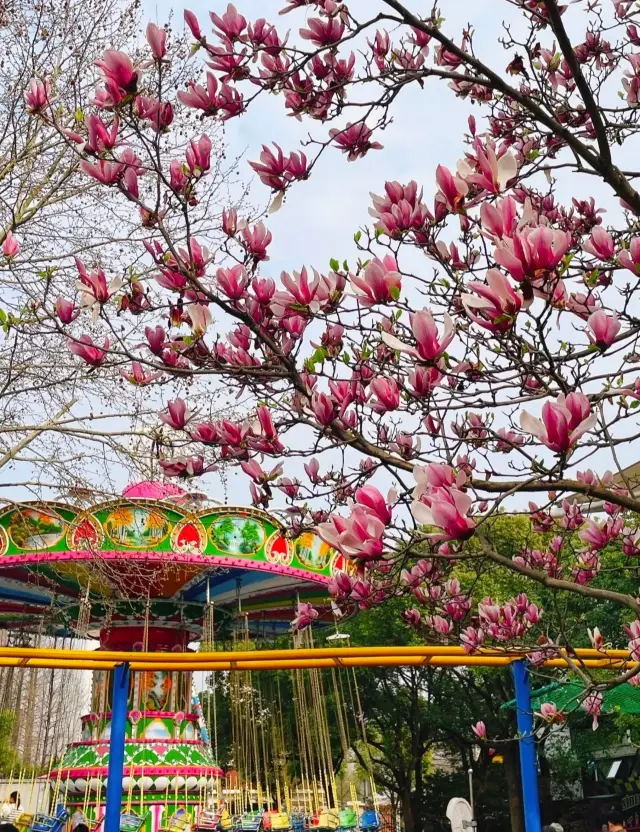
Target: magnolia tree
{"x": 497, "y": 373}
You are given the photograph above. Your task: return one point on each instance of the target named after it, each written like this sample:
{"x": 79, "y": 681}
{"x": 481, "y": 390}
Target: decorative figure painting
{"x": 155, "y": 689}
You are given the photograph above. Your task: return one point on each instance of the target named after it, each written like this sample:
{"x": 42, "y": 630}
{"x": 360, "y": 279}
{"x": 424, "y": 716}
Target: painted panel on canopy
{"x": 35, "y": 527}
{"x": 147, "y": 526}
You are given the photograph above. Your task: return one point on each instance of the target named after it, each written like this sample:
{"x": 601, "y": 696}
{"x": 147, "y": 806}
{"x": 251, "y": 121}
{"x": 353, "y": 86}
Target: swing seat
{"x": 23, "y": 821}
{"x": 226, "y": 821}
{"x": 178, "y": 822}
{"x": 250, "y": 821}
{"x": 130, "y": 822}
{"x": 280, "y": 821}
{"x": 348, "y": 819}
{"x": 298, "y": 822}
{"x": 326, "y": 819}
{"x": 207, "y": 821}
{"x": 370, "y": 821}
{"x": 50, "y": 823}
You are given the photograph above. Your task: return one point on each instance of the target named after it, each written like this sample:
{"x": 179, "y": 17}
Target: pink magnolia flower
{"x": 37, "y": 96}
{"x": 201, "y": 98}
{"x": 254, "y": 470}
{"x": 373, "y": 501}
{"x": 424, "y": 380}
{"x": 103, "y": 171}
{"x": 493, "y": 305}
{"x": 138, "y": 375}
{"x": 480, "y": 730}
{"x": 157, "y": 40}
{"x": 66, "y": 310}
{"x": 118, "y": 69}
{"x": 633, "y": 631}
{"x": 592, "y": 704}
{"x": 300, "y": 292}
{"x": 158, "y": 113}
{"x": 549, "y": 713}
{"x": 323, "y": 408}
{"x": 380, "y": 47}
{"x": 563, "y": 422}
{"x": 177, "y": 414}
{"x": 499, "y": 219}
{"x": 100, "y": 137}
{"x": 312, "y": 470}
{"x": 508, "y": 440}
{"x": 85, "y": 349}
{"x": 600, "y": 244}
{"x": 492, "y": 173}
{"x": 156, "y": 338}
{"x": 379, "y": 283}
{"x": 10, "y": 246}
{"x": 436, "y": 475}
{"x": 412, "y": 617}
{"x": 230, "y": 223}
{"x": 603, "y": 328}
{"x": 185, "y": 467}
{"x": 451, "y": 189}
{"x": 198, "y": 155}
{"x": 354, "y": 140}
{"x": 257, "y": 239}
{"x": 630, "y": 258}
{"x": 94, "y": 289}
{"x": 596, "y": 639}
{"x": 384, "y": 395}
{"x": 305, "y": 616}
{"x": 277, "y": 170}
{"x": 233, "y": 281}
{"x": 200, "y": 317}
{"x": 358, "y": 536}
{"x": 231, "y": 24}
{"x": 447, "y": 509}
{"x": 531, "y": 253}
{"x": 323, "y": 32}
{"x": 472, "y": 639}
{"x": 430, "y": 346}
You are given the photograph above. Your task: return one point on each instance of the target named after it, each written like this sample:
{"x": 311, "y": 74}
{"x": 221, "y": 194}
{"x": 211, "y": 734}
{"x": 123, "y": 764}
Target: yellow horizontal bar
{"x": 191, "y": 659}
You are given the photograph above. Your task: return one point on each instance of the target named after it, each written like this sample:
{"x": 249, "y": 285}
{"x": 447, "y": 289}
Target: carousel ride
{"x": 159, "y": 570}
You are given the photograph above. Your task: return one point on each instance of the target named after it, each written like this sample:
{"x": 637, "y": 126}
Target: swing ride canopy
{"x": 154, "y": 555}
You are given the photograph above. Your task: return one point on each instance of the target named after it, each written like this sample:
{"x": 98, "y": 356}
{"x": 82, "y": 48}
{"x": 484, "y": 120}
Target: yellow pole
{"x": 189, "y": 659}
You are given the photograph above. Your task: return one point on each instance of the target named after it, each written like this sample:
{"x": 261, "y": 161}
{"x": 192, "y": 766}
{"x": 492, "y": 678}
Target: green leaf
{"x": 319, "y": 355}
{"x": 335, "y": 265}
{"x": 345, "y": 266}
{"x": 357, "y": 236}
{"x": 347, "y": 358}
{"x": 3, "y": 316}
{"x": 395, "y": 292}
{"x": 194, "y": 48}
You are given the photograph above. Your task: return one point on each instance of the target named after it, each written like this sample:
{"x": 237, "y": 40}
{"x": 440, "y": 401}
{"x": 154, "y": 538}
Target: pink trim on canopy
{"x": 93, "y": 771}
{"x": 143, "y": 741}
{"x": 143, "y": 714}
{"x": 163, "y": 557}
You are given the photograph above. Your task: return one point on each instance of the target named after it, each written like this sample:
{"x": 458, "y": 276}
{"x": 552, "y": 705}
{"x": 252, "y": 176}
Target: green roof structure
{"x": 566, "y": 696}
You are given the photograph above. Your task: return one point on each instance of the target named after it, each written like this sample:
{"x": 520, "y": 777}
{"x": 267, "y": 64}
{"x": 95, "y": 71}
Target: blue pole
{"x": 528, "y": 763}
{"x": 119, "y": 703}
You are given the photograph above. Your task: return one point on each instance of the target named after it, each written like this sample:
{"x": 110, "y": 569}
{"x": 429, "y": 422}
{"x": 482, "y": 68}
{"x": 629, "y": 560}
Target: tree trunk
{"x": 514, "y": 788}
{"x": 407, "y": 810}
